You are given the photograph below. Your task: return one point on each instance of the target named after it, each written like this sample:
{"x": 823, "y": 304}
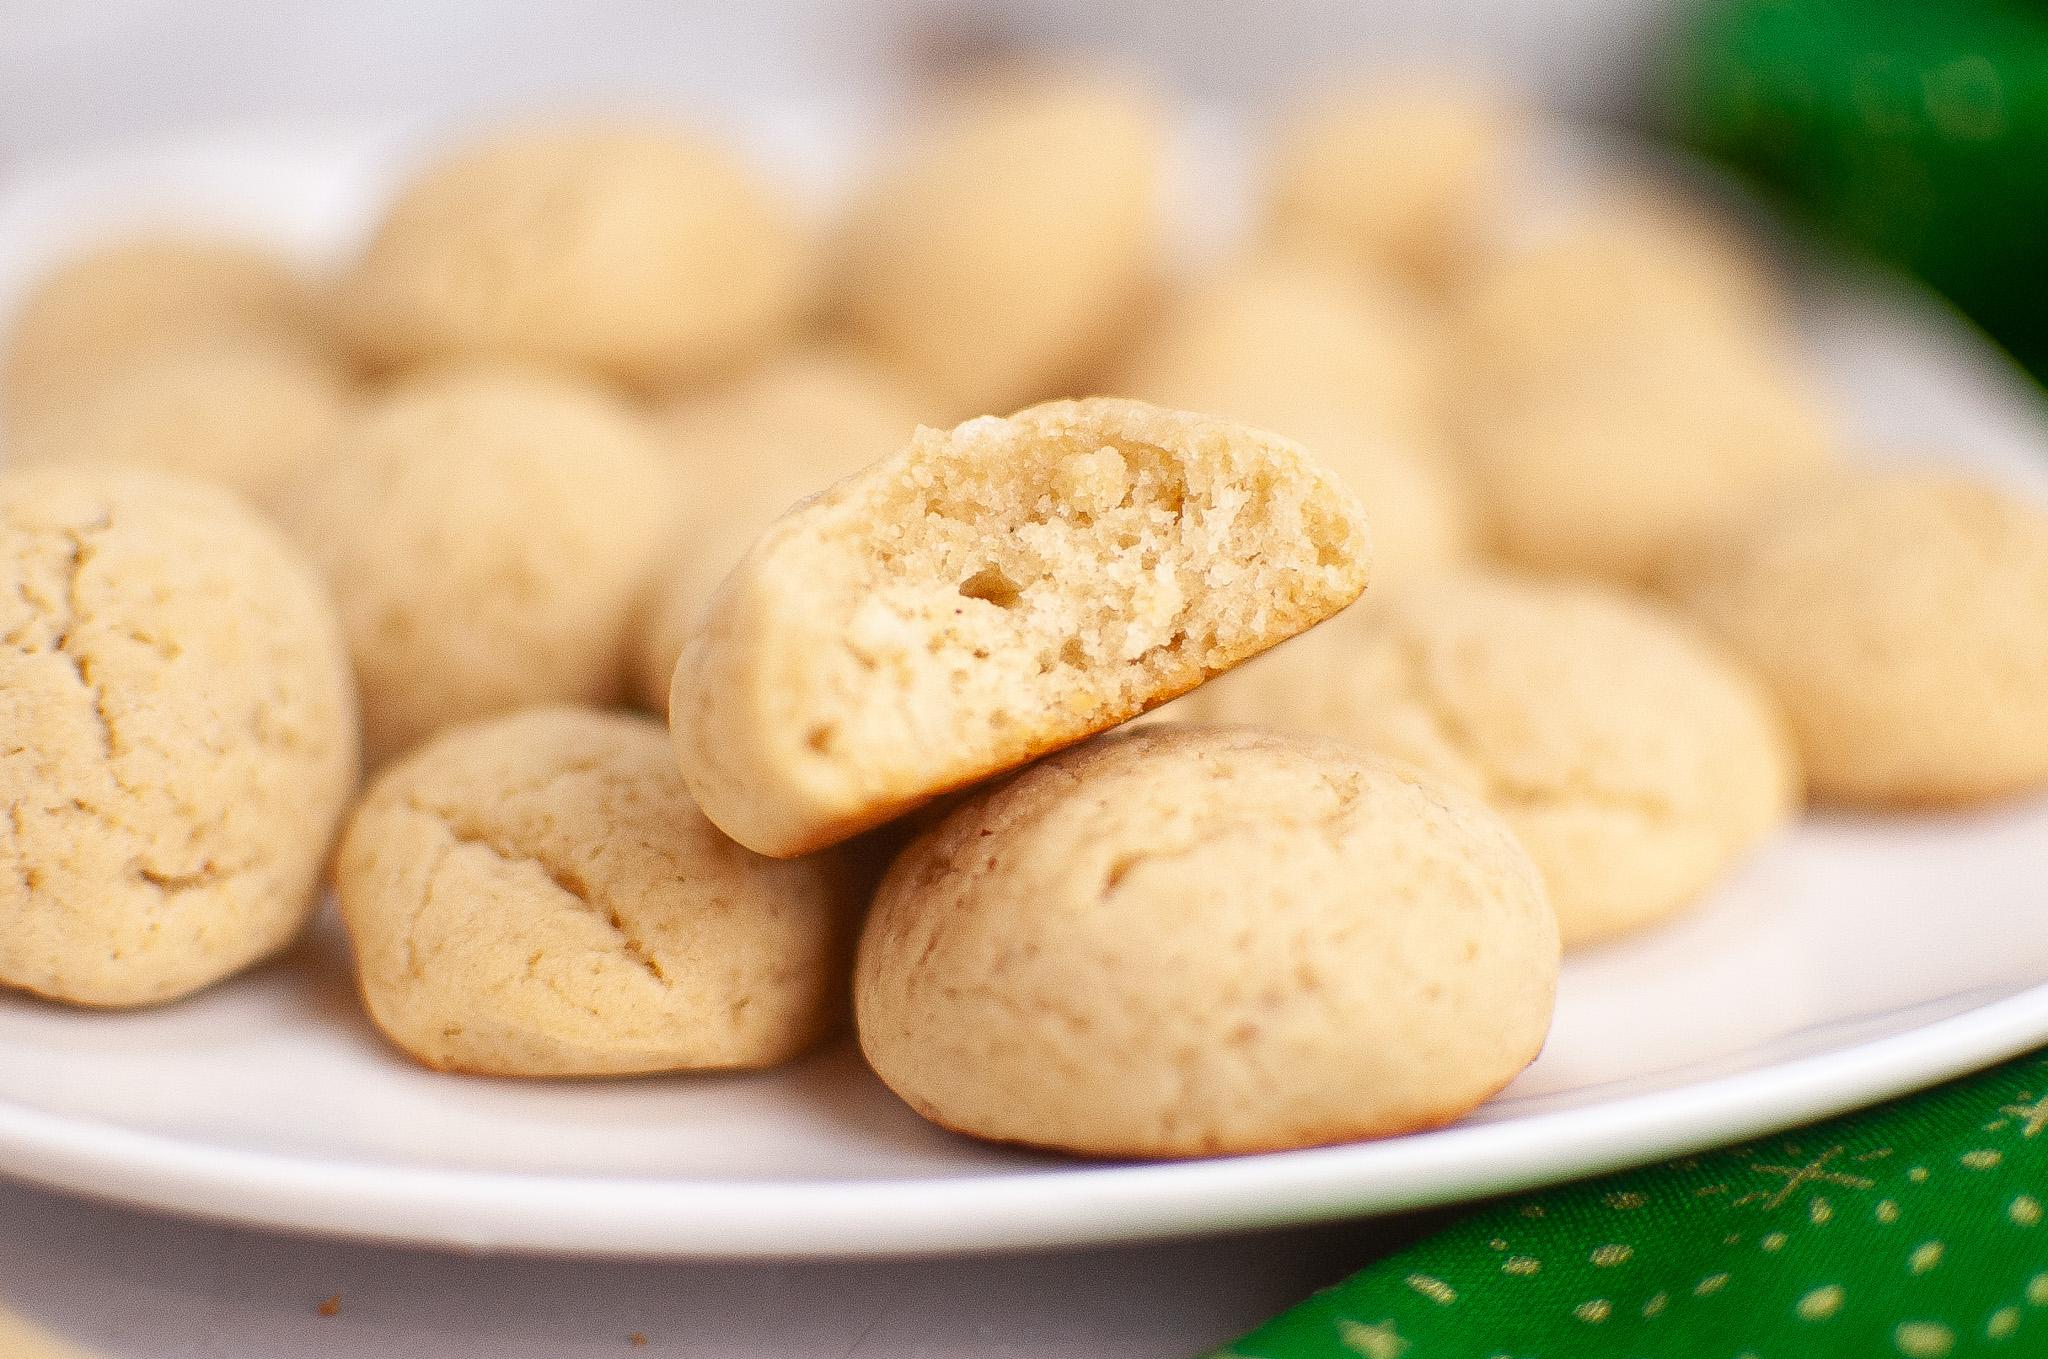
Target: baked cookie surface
{"x": 181, "y": 728}
{"x": 1182, "y": 941}
{"x": 486, "y": 533}
{"x": 1632, "y": 758}
{"x": 1901, "y": 618}
{"x": 991, "y": 593}
{"x": 537, "y": 896}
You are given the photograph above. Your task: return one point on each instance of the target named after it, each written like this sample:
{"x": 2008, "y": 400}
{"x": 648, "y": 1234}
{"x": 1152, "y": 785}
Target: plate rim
{"x": 765, "y": 1219}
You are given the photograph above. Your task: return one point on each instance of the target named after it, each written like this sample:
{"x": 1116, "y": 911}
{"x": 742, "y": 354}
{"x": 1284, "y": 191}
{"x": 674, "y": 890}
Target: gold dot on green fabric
{"x": 1732, "y": 1239}
{"x": 2037, "y": 1290}
{"x": 1887, "y": 1211}
{"x": 1984, "y": 1158}
{"x": 1819, "y": 1210}
{"x": 1624, "y": 1202}
{"x": 1532, "y": 1210}
{"x": 2024, "y": 1210}
{"x": 1774, "y": 1241}
{"x": 1925, "y": 1256}
{"x": 1917, "y": 1174}
{"x": 1381, "y": 1340}
{"x": 1520, "y": 1264}
{"x": 1923, "y": 1339}
{"x": 1496, "y": 1244}
{"x": 1820, "y": 1304}
{"x": 1655, "y": 1303}
{"x": 1435, "y": 1289}
{"x": 2003, "y": 1323}
{"x": 1712, "y": 1284}
{"x": 1610, "y": 1255}
{"x": 1593, "y": 1311}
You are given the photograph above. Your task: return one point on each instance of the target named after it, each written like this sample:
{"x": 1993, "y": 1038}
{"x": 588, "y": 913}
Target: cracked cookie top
{"x": 537, "y": 895}
{"x": 1632, "y": 757}
{"x": 989, "y": 594}
{"x": 180, "y": 735}
{"x": 1181, "y": 941}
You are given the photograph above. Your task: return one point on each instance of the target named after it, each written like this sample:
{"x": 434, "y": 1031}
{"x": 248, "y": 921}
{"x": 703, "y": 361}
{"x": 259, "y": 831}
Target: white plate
{"x": 1858, "y": 958}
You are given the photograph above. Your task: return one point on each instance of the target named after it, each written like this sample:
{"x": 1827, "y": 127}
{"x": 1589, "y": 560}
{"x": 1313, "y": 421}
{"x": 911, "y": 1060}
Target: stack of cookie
{"x": 543, "y": 449}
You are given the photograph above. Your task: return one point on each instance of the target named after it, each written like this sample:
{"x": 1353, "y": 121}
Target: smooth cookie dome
{"x": 1633, "y": 759}
{"x": 632, "y": 252}
{"x": 537, "y": 895}
{"x": 182, "y": 727}
{"x": 1180, "y": 941}
{"x": 1902, "y": 620}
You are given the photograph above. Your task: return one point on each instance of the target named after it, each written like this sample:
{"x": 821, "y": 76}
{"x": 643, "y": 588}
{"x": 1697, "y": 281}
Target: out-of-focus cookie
{"x": 486, "y": 533}
{"x": 1011, "y": 242}
{"x": 635, "y": 253}
{"x": 250, "y": 416}
{"x": 180, "y": 728}
{"x": 991, "y": 593}
{"x": 1346, "y": 369}
{"x": 122, "y": 302}
{"x": 746, "y": 452}
{"x": 1633, "y": 760}
{"x": 1397, "y": 177}
{"x": 537, "y": 896}
{"x": 1902, "y": 620}
{"x": 1614, "y": 468}
{"x": 1183, "y": 942}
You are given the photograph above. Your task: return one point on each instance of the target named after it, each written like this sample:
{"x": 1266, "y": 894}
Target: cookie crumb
{"x": 638, "y": 1340}
{"x": 331, "y": 1307}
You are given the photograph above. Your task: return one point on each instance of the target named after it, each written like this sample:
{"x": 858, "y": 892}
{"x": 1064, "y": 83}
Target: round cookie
{"x": 250, "y": 416}
{"x": 111, "y": 306}
{"x": 1631, "y": 758}
{"x": 1010, "y": 244}
{"x": 537, "y": 896}
{"x": 991, "y": 593}
{"x": 1181, "y": 942}
{"x": 182, "y": 734}
{"x": 486, "y": 533}
{"x": 1611, "y": 469}
{"x": 1902, "y": 620}
{"x": 748, "y": 451}
{"x": 632, "y": 252}
{"x": 1346, "y": 369}
{"x": 1398, "y": 178}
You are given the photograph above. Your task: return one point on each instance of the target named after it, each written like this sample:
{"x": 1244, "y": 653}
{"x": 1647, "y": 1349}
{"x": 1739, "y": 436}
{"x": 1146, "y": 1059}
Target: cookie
{"x": 252, "y": 416}
{"x": 535, "y": 895}
{"x": 631, "y": 252}
{"x": 1010, "y": 243}
{"x": 1611, "y": 469}
{"x": 486, "y": 533}
{"x": 124, "y": 301}
{"x": 1346, "y": 369}
{"x": 181, "y": 729}
{"x": 1902, "y": 619}
{"x": 1632, "y": 758}
{"x": 1185, "y": 942}
{"x": 992, "y": 593}
{"x": 747, "y": 451}
{"x": 1397, "y": 177}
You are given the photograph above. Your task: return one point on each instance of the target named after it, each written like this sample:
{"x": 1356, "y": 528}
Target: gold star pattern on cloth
{"x": 1909, "y": 1231}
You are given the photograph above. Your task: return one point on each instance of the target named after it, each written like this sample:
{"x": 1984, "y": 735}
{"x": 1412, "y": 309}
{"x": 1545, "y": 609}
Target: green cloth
{"x": 1917, "y": 129}
{"x": 1912, "y": 1229}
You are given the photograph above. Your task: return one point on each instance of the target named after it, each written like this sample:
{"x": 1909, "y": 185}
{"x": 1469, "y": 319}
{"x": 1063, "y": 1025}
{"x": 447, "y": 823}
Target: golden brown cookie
{"x": 486, "y": 533}
{"x": 632, "y": 252}
{"x": 121, "y": 302}
{"x": 252, "y": 416}
{"x": 181, "y": 729}
{"x": 1010, "y": 242}
{"x": 1181, "y": 942}
{"x": 536, "y": 896}
{"x": 1902, "y": 620}
{"x": 992, "y": 593}
{"x": 1633, "y": 759}
{"x": 746, "y": 452}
